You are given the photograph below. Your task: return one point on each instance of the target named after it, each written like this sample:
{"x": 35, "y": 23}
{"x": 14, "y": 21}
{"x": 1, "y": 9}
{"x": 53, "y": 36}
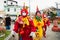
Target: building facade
{"x": 11, "y": 7}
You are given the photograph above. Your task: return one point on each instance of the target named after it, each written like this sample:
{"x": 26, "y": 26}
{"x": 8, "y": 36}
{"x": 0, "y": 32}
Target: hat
{"x": 37, "y": 9}
{"x": 24, "y": 10}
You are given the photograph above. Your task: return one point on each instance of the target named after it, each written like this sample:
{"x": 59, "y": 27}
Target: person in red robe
{"x": 46, "y": 23}
{"x": 24, "y": 25}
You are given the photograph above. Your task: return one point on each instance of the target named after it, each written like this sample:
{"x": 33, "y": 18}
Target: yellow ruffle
{"x": 40, "y": 27}
{"x": 25, "y": 20}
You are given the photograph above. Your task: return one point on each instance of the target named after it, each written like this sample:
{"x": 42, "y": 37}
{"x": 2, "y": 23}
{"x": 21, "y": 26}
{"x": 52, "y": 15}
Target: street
{"x": 50, "y": 34}
{"x": 42, "y": 12}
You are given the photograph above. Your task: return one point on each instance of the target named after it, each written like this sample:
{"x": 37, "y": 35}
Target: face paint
{"x": 38, "y": 14}
{"x": 24, "y": 14}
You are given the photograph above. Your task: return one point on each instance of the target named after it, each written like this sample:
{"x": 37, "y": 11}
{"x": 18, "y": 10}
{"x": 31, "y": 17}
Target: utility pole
{"x": 57, "y": 5}
{"x": 29, "y": 7}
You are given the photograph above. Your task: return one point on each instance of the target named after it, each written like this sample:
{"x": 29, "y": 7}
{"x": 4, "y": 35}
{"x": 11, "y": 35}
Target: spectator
{"x": 7, "y": 22}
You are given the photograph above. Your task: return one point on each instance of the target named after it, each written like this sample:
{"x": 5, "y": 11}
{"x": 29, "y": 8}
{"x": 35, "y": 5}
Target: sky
{"x": 42, "y": 4}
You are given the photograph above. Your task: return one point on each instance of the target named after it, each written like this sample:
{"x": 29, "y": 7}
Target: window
{"x": 4, "y": 1}
{"x": 8, "y": 9}
{"x": 15, "y": 9}
{"x": 16, "y": 2}
{"x": 11, "y": 3}
{"x": 10, "y": 0}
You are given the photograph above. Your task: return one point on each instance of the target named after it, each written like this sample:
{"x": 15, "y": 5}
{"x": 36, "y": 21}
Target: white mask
{"x": 24, "y": 14}
{"x": 44, "y": 15}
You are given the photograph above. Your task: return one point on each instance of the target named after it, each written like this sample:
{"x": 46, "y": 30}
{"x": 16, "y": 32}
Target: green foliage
{"x": 6, "y": 34}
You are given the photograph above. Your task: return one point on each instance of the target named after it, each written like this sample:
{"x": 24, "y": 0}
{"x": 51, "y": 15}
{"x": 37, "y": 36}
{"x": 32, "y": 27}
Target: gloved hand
{"x": 32, "y": 34}
{"x": 13, "y": 33}
{"x": 43, "y": 29}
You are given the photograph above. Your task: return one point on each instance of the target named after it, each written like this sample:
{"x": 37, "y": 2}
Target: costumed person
{"x": 38, "y": 23}
{"x": 24, "y": 26}
{"x": 46, "y": 23}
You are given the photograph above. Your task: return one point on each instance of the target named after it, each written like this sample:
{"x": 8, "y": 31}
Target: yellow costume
{"x": 39, "y": 25}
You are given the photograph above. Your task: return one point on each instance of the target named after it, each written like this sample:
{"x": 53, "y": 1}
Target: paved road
{"x": 50, "y": 34}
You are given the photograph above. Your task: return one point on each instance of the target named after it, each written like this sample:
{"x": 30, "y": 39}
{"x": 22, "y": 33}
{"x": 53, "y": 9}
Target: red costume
{"x": 46, "y": 23}
{"x": 24, "y": 26}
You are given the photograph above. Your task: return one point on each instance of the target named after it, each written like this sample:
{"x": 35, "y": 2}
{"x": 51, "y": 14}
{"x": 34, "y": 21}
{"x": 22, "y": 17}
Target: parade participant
{"x": 46, "y": 23}
{"x": 38, "y": 22}
{"x": 24, "y": 25}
